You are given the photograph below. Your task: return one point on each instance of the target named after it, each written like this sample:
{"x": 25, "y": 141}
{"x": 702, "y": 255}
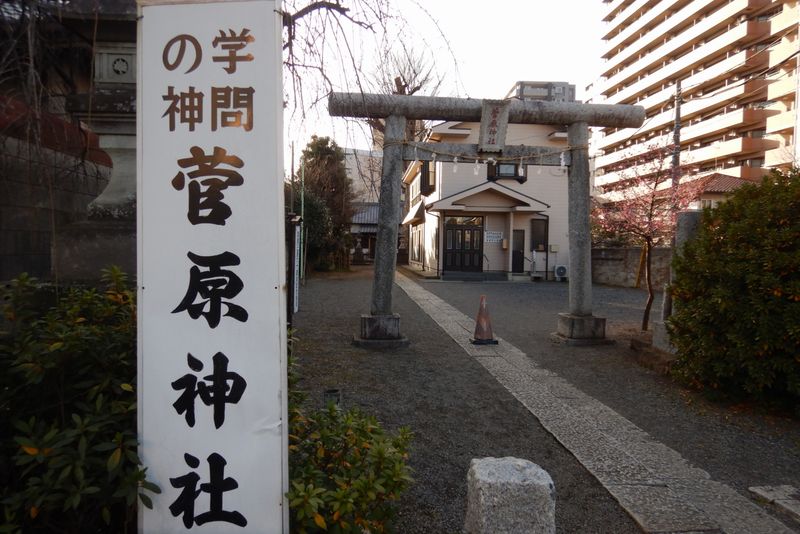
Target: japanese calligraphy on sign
{"x": 212, "y": 348}
{"x": 494, "y": 123}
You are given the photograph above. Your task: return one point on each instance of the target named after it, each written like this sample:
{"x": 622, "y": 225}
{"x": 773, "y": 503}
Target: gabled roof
{"x": 459, "y": 201}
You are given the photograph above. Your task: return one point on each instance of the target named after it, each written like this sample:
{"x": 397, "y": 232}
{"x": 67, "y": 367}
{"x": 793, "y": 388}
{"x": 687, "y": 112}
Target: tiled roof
{"x": 365, "y": 213}
{"x": 722, "y": 183}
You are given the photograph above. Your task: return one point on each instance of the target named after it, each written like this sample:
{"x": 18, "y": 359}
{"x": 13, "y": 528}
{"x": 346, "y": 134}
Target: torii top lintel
{"x": 366, "y": 105}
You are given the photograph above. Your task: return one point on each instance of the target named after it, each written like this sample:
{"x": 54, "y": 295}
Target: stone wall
{"x": 618, "y": 266}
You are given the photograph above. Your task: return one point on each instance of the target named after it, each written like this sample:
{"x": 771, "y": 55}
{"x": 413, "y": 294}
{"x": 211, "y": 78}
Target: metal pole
{"x": 302, "y": 220}
{"x": 291, "y": 187}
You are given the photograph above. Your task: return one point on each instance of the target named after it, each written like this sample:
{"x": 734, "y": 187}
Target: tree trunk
{"x": 649, "y": 279}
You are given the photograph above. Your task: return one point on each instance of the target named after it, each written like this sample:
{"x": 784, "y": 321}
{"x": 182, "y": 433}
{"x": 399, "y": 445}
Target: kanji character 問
{"x": 227, "y": 104}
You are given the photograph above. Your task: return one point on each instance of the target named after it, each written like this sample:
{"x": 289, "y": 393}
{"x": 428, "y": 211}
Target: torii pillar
{"x": 577, "y": 326}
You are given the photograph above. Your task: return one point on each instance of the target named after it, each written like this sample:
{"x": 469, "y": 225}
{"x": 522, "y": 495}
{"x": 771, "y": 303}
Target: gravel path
{"x": 736, "y": 446}
{"x": 458, "y": 411}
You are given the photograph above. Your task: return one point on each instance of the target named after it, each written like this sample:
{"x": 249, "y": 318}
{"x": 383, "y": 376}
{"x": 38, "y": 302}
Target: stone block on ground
{"x": 509, "y": 495}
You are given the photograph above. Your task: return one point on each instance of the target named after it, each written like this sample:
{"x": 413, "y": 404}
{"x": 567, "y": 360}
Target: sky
{"x": 481, "y": 48}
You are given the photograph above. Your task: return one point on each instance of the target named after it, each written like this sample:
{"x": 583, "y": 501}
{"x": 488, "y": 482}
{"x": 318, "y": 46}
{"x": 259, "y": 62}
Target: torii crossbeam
{"x": 578, "y": 325}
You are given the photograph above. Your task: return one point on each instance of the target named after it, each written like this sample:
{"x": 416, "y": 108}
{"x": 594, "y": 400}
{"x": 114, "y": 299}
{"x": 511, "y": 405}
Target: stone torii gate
{"x": 578, "y": 326}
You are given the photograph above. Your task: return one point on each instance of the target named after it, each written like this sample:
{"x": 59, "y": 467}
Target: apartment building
{"x": 735, "y": 62}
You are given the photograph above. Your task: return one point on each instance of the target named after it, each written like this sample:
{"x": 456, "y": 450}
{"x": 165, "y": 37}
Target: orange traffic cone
{"x": 483, "y": 326}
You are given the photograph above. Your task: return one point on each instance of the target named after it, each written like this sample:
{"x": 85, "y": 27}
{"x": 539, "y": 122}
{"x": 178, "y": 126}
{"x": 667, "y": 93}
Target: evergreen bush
{"x": 68, "y": 453}
{"x": 345, "y": 470}
{"x": 68, "y": 447}
{"x": 736, "y": 324}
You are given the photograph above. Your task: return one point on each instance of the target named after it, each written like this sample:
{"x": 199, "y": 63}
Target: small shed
{"x": 364, "y": 229}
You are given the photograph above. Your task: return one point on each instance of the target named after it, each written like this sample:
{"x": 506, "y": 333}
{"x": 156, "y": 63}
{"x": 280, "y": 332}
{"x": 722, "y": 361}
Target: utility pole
{"x": 676, "y": 136}
{"x": 666, "y": 304}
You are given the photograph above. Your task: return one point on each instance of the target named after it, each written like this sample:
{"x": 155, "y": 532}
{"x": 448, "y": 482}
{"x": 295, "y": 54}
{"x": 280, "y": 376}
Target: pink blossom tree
{"x": 643, "y": 206}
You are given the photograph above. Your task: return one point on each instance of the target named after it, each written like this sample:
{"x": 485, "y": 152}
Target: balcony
{"x": 781, "y": 122}
{"x": 615, "y": 8}
{"x": 782, "y": 54}
{"x": 688, "y": 110}
{"x": 743, "y": 61}
{"x": 659, "y": 29}
{"x": 741, "y": 34}
{"x": 725, "y": 150}
{"x": 630, "y": 31}
{"x": 745, "y": 172}
{"x": 717, "y": 125}
{"x": 787, "y": 20}
{"x": 783, "y": 157}
{"x": 780, "y": 88}
{"x": 718, "y": 20}
{"x": 719, "y": 153}
{"x": 724, "y": 123}
{"x": 746, "y": 60}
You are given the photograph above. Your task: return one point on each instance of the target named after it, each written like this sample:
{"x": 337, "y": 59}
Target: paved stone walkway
{"x": 653, "y": 482}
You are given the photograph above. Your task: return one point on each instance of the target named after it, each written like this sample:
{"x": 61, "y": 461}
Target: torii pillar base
{"x": 380, "y": 332}
{"x": 581, "y": 330}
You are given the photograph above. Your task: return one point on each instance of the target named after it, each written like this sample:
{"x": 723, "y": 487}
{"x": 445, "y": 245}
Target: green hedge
{"x": 736, "y": 324}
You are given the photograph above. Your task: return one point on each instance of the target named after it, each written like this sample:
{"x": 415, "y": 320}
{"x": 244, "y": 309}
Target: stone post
{"x": 579, "y": 326}
{"x": 509, "y": 496}
{"x": 580, "y": 239}
{"x": 382, "y": 327}
{"x": 686, "y": 226}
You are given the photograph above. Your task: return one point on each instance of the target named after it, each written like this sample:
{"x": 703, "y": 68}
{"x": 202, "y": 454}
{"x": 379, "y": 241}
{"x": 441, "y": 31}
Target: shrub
{"x": 69, "y": 452}
{"x": 68, "y": 455}
{"x": 736, "y": 324}
{"x": 345, "y": 471}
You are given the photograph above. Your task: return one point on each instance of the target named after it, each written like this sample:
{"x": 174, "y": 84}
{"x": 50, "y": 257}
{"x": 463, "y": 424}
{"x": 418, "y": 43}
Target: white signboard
{"x": 493, "y": 237}
{"x": 296, "y": 270}
{"x": 212, "y": 324}
{"x": 494, "y": 124}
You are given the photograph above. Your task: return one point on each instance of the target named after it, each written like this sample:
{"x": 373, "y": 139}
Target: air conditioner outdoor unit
{"x": 560, "y": 272}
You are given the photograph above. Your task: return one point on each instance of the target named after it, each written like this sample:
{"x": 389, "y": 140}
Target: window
{"x": 539, "y": 235}
{"x": 464, "y": 221}
{"x": 414, "y": 190}
{"x": 427, "y": 178}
